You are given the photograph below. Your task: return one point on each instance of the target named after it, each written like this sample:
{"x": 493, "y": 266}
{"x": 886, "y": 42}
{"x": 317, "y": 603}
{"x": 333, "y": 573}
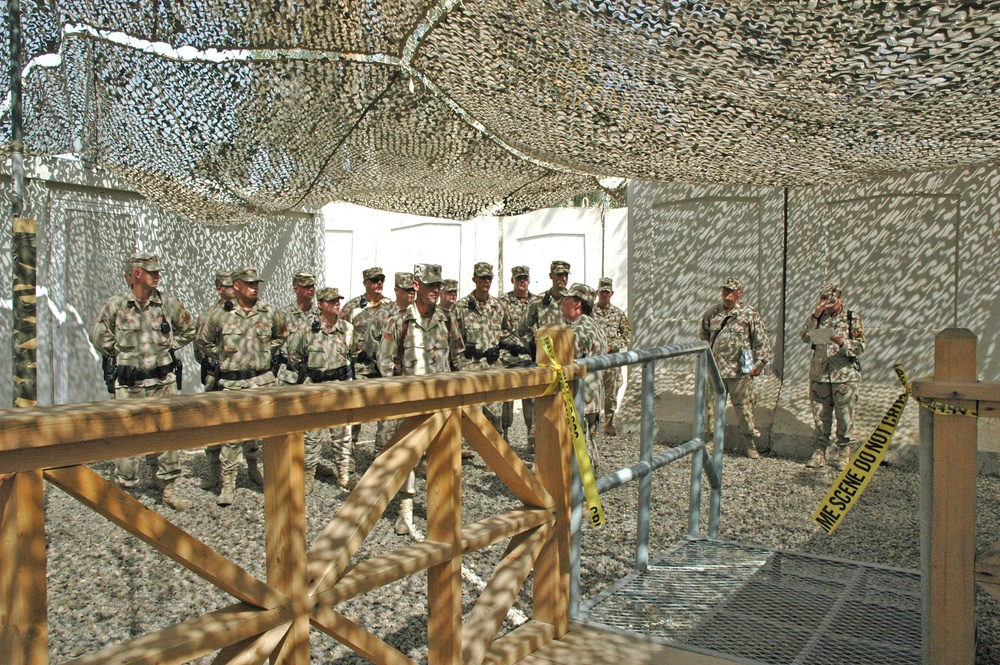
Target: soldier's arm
{"x": 207, "y": 338}
{"x": 705, "y": 332}
{"x": 295, "y": 348}
{"x": 856, "y": 344}
{"x": 279, "y": 330}
{"x": 182, "y": 324}
{"x": 102, "y": 333}
{"x": 526, "y": 327}
{"x": 761, "y": 342}
{"x": 456, "y": 345}
{"x": 810, "y": 324}
{"x": 626, "y": 331}
{"x": 388, "y": 348}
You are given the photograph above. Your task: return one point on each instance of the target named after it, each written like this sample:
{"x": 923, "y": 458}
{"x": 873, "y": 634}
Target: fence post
{"x": 552, "y": 466}
{"x": 948, "y": 513}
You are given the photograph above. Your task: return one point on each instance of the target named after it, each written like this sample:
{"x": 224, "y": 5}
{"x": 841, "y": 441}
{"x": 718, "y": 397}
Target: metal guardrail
{"x": 710, "y": 465}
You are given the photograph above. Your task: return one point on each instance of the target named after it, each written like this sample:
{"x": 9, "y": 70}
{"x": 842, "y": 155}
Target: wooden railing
{"x": 272, "y": 618}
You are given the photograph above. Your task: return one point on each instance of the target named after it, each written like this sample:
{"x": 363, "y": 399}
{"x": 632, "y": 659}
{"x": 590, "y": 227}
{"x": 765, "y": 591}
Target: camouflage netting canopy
{"x": 225, "y": 110}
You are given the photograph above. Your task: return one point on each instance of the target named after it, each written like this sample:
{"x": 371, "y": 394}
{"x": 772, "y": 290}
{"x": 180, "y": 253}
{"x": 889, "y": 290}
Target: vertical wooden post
{"x": 24, "y": 628}
{"x": 553, "y": 450}
{"x": 285, "y": 538}
{"x": 444, "y": 525}
{"x": 948, "y": 514}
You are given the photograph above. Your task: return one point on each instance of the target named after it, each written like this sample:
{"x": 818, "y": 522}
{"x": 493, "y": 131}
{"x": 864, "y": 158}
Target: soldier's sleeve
{"x": 295, "y": 348}
{"x": 353, "y": 343}
{"x": 508, "y": 332}
{"x": 525, "y": 328}
{"x": 388, "y": 347}
{"x": 761, "y": 342}
{"x": 102, "y": 333}
{"x": 626, "y": 331}
{"x": 706, "y": 327}
{"x": 373, "y": 338}
{"x": 857, "y": 343}
{"x": 206, "y": 339}
{"x": 808, "y": 326}
{"x": 456, "y": 345}
{"x": 279, "y": 330}
{"x": 182, "y": 324}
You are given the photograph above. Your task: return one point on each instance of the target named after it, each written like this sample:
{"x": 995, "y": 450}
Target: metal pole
{"x": 575, "y": 519}
{"x": 694, "y": 514}
{"x": 644, "y": 507}
{"x": 22, "y": 246}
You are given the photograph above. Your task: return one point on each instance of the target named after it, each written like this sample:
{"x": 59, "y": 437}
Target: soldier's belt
{"x": 339, "y": 374}
{"x": 243, "y": 375}
{"x": 126, "y": 375}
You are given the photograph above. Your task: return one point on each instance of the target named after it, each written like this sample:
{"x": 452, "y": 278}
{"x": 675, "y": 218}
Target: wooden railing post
{"x": 24, "y": 628}
{"x": 948, "y": 512}
{"x": 552, "y": 466}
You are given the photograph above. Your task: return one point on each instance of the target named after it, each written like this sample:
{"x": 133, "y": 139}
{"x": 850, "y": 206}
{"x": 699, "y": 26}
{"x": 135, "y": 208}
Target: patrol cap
{"x": 559, "y": 267}
{"x": 482, "y": 269}
{"x": 146, "y": 261}
{"x": 328, "y": 293}
{"x": 304, "y": 279}
{"x": 733, "y": 284}
{"x": 404, "y": 280}
{"x": 519, "y": 271}
{"x": 449, "y": 285}
{"x": 581, "y": 292}
{"x": 604, "y": 284}
{"x": 427, "y": 273}
{"x": 223, "y": 278}
{"x": 248, "y": 275}
{"x": 829, "y": 291}
{"x": 372, "y": 273}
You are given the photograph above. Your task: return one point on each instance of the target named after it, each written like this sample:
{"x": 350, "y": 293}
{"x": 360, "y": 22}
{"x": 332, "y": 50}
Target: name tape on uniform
{"x": 594, "y": 507}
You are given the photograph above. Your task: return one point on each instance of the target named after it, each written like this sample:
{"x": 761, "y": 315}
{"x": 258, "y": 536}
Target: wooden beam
{"x": 444, "y": 525}
{"x": 948, "y": 514}
{"x": 285, "y": 539}
{"x": 552, "y": 466}
{"x": 979, "y": 391}
{"x": 253, "y": 650}
{"x": 93, "y": 491}
{"x": 520, "y": 642}
{"x": 345, "y": 631}
{"x": 24, "y": 628}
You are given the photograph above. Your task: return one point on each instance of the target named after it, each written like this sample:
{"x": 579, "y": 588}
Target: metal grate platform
{"x": 766, "y": 606}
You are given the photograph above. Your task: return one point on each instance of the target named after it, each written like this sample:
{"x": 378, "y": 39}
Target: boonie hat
{"x": 581, "y": 291}
{"x": 449, "y": 285}
{"x": 427, "y": 273}
{"x": 519, "y": 271}
{"x": 248, "y": 275}
{"x": 604, "y": 284}
{"x": 732, "y": 284}
{"x": 146, "y": 261}
{"x": 223, "y": 278}
{"x": 372, "y": 273}
{"x": 304, "y": 279}
{"x": 328, "y": 293}
{"x": 482, "y": 269}
{"x": 559, "y": 267}
{"x": 404, "y": 280}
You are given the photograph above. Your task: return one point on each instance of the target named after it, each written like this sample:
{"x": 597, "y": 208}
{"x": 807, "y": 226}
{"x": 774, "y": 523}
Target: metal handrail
{"x": 709, "y": 464}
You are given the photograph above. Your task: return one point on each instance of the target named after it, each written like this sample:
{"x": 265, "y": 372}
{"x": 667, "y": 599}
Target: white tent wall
{"x": 88, "y": 224}
{"x": 914, "y": 254}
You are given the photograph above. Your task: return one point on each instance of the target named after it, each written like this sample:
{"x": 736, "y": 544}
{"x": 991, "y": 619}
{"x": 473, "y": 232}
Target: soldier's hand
{"x": 837, "y": 339}
{"x": 756, "y": 371}
{"x": 492, "y": 354}
{"x": 820, "y": 308}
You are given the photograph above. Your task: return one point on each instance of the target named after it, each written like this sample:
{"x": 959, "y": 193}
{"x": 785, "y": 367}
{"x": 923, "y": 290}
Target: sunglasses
{"x": 377, "y": 280}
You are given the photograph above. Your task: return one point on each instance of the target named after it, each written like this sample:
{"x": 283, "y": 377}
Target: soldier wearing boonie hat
{"x": 517, "y": 300}
{"x": 837, "y": 339}
{"x": 588, "y": 341}
{"x": 742, "y": 349}
{"x": 419, "y": 341}
{"x": 300, "y": 312}
{"x": 618, "y": 330}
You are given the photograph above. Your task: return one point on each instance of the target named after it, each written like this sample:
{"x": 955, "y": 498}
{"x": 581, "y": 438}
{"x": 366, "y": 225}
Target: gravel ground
{"x": 105, "y": 586}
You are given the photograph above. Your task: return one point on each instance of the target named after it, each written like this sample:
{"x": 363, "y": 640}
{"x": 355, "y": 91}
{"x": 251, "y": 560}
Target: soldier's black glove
{"x": 492, "y": 354}
{"x": 471, "y": 352}
{"x": 514, "y": 349}
{"x": 364, "y": 359}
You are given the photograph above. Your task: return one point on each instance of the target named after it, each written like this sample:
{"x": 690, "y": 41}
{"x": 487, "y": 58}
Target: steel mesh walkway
{"x": 767, "y": 606}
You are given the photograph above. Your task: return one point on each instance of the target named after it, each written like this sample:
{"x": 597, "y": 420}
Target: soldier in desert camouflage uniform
{"x": 517, "y": 301}
{"x": 618, "y": 330}
{"x": 224, "y": 287}
{"x": 359, "y": 312}
{"x": 142, "y": 329}
{"x": 324, "y": 350}
{"x": 449, "y": 296}
{"x": 588, "y": 341}
{"x": 739, "y": 342}
{"x": 243, "y": 341}
{"x": 403, "y": 288}
{"x": 834, "y": 374}
{"x": 301, "y": 312}
{"x": 417, "y": 342}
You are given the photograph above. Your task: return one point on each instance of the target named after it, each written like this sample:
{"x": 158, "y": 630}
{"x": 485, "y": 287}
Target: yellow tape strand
{"x": 593, "y": 498}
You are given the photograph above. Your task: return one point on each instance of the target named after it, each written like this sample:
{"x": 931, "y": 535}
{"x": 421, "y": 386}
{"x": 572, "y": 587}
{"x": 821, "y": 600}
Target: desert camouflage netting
{"x": 224, "y": 111}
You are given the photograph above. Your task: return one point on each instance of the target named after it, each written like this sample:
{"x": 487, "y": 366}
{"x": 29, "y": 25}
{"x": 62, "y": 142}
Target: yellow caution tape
{"x": 853, "y": 480}
{"x": 593, "y": 498}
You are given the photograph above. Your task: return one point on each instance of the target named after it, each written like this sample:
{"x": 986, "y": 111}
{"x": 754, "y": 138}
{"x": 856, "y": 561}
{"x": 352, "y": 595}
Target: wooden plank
{"x": 444, "y": 525}
{"x": 939, "y": 389}
{"x": 72, "y": 434}
{"x": 285, "y": 539}
{"x": 24, "y": 628}
{"x": 332, "y": 551}
{"x": 345, "y": 631}
{"x": 949, "y": 605}
{"x": 492, "y": 530}
{"x": 520, "y": 642}
{"x": 253, "y": 650}
{"x": 191, "y": 639}
{"x": 552, "y": 466}
{"x": 501, "y": 591}
{"x": 92, "y": 490}
{"x": 502, "y": 460}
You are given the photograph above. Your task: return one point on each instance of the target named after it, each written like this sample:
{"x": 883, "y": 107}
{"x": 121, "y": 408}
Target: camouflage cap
{"x": 372, "y": 273}
{"x": 519, "y": 271}
{"x": 223, "y": 278}
{"x": 604, "y": 284}
{"x": 559, "y": 267}
{"x": 449, "y": 285}
{"x": 304, "y": 279}
{"x": 146, "y": 261}
{"x": 482, "y": 269}
{"x": 732, "y": 284}
{"x": 427, "y": 273}
{"x": 829, "y": 291}
{"x": 328, "y": 293}
{"x": 582, "y": 292}
{"x": 404, "y": 280}
{"x": 248, "y": 275}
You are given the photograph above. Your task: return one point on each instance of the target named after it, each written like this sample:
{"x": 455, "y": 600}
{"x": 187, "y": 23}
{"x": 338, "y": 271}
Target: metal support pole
{"x": 694, "y": 514}
{"x": 644, "y": 508}
{"x": 575, "y": 519}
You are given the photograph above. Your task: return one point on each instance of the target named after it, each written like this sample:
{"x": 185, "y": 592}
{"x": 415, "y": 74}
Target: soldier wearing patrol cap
{"x": 577, "y": 306}
{"x": 324, "y": 350}
{"x": 618, "y": 330}
{"x": 421, "y": 340}
{"x": 301, "y": 312}
{"x": 243, "y": 341}
{"x": 403, "y": 288}
{"x": 360, "y": 311}
{"x": 742, "y": 349}
{"x": 517, "y": 302}
{"x": 138, "y": 332}
{"x": 837, "y": 338}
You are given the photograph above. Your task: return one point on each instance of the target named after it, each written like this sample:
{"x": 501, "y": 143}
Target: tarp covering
{"x": 225, "y": 111}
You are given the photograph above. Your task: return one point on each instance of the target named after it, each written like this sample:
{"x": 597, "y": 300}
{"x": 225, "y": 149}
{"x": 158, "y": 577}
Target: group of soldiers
{"x": 243, "y": 343}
